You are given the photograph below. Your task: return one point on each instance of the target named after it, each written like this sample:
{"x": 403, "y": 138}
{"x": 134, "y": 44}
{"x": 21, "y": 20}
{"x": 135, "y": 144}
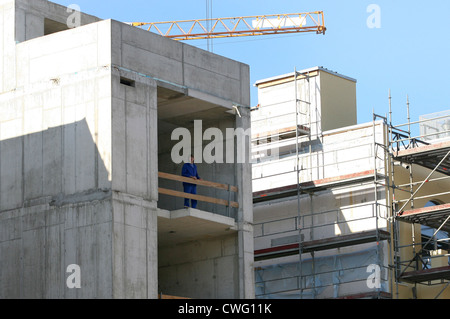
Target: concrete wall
{"x": 134, "y": 137}
{"x": 56, "y": 156}
{"x": 55, "y": 165}
{"x": 202, "y": 74}
{"x": 134, "y": 256}
{"x": 44, "y": 109}
{"x": 31, "y": 15}
{"x": 38, "y": 244}
{"x": 158, "y": 62}
{"x": 78, "y": 157}
{"x": 202, "y": 269}
{"x": 22, "y": 20}
{"x": 7, "y": 48}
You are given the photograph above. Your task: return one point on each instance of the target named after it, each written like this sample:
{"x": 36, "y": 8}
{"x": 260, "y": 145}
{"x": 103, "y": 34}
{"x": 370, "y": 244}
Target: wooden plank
{"x": 427, "y": 274}
{"x": 336, "y": 179}
{"x": 274, "y": 132}
{"x": 197, "y": 182}
{"x": 197, "y": 197}
{"x": 317, "y": 183}
{"x": 424, "y": 210}
{"x": 322, "y": 244}
{"x": 169, "y": 297}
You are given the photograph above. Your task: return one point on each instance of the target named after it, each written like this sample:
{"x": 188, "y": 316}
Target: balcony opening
{"x": 216, "y": 192}
{"x": 212, "y": 223}
{"x": 51, "y": 26}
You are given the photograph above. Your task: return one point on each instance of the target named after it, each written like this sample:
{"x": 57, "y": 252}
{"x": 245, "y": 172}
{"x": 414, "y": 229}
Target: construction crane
{"x": 238, "y": 26}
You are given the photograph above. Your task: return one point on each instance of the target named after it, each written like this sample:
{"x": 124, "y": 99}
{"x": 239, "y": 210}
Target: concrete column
{"x": 134, "y": 248}
{"x": 245, "y": 216}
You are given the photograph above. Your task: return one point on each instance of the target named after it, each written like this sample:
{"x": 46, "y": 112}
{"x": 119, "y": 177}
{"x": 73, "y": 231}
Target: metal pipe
{"x": 421, "y": 121}
{"x": 445, "y": 287}
{"x": 430, "y": 180}
{"x": 298, "y": 186}
{"x": 420, "y": 136}
{"x": 423, "y": 183}
{"x": 408, "y": 116}
{"x": 425, "y": 196}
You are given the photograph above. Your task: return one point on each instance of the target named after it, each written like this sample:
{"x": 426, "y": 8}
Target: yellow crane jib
{"x": 238, "y": 26}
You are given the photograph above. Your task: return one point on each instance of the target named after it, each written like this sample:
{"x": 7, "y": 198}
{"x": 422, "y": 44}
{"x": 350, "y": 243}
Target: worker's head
{"x": 192, "y": 159}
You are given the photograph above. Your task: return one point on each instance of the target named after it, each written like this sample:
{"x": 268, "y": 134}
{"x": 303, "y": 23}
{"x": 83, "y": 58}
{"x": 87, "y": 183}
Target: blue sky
{"x": 409, "y": 54}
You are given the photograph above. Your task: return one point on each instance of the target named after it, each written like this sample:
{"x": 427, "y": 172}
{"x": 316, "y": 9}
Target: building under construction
{"x": 346, "y": 210}
{"x": 328, "y": 209}
{"x": 86, "y": 176}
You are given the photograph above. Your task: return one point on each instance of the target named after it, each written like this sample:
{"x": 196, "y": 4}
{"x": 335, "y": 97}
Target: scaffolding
{"x": 422, "y": 201}
{"x": 409, "y": 210}
{"x": 311, "y": 275}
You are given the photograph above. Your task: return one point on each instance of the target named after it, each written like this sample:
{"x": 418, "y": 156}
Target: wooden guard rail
{"x": 201, "y": 198}
{"x": 161, "y": 296}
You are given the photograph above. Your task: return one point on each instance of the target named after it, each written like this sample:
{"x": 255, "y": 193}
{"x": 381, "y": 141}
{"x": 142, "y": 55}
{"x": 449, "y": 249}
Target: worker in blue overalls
{"x": 190, "y": 170}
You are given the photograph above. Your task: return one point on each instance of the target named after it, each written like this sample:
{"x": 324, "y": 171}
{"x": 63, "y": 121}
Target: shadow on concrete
{"x": 54, "y": 207}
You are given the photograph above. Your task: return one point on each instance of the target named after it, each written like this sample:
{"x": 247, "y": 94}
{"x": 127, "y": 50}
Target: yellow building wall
{"x": 338, "y": 101}
{"x": 402, "y": 176}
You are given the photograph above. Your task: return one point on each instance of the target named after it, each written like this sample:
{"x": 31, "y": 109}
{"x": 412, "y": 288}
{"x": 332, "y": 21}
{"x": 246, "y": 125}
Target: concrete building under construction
{"x": 91, "y": 198}
{"x": 346, "y": 210}
{"x": 87, "y": 181}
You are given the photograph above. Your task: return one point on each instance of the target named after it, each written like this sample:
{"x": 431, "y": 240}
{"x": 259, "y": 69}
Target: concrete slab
{"x": 180, "y": 226}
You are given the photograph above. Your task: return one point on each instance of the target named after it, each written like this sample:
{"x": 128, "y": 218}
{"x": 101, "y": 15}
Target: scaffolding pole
{"x": 299, "y": 125}
{"x": 297, "y": 160}
{"x": 373, "y": 182}
{"x": 399, "y": 206}
{"x": 384, "y": 146}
